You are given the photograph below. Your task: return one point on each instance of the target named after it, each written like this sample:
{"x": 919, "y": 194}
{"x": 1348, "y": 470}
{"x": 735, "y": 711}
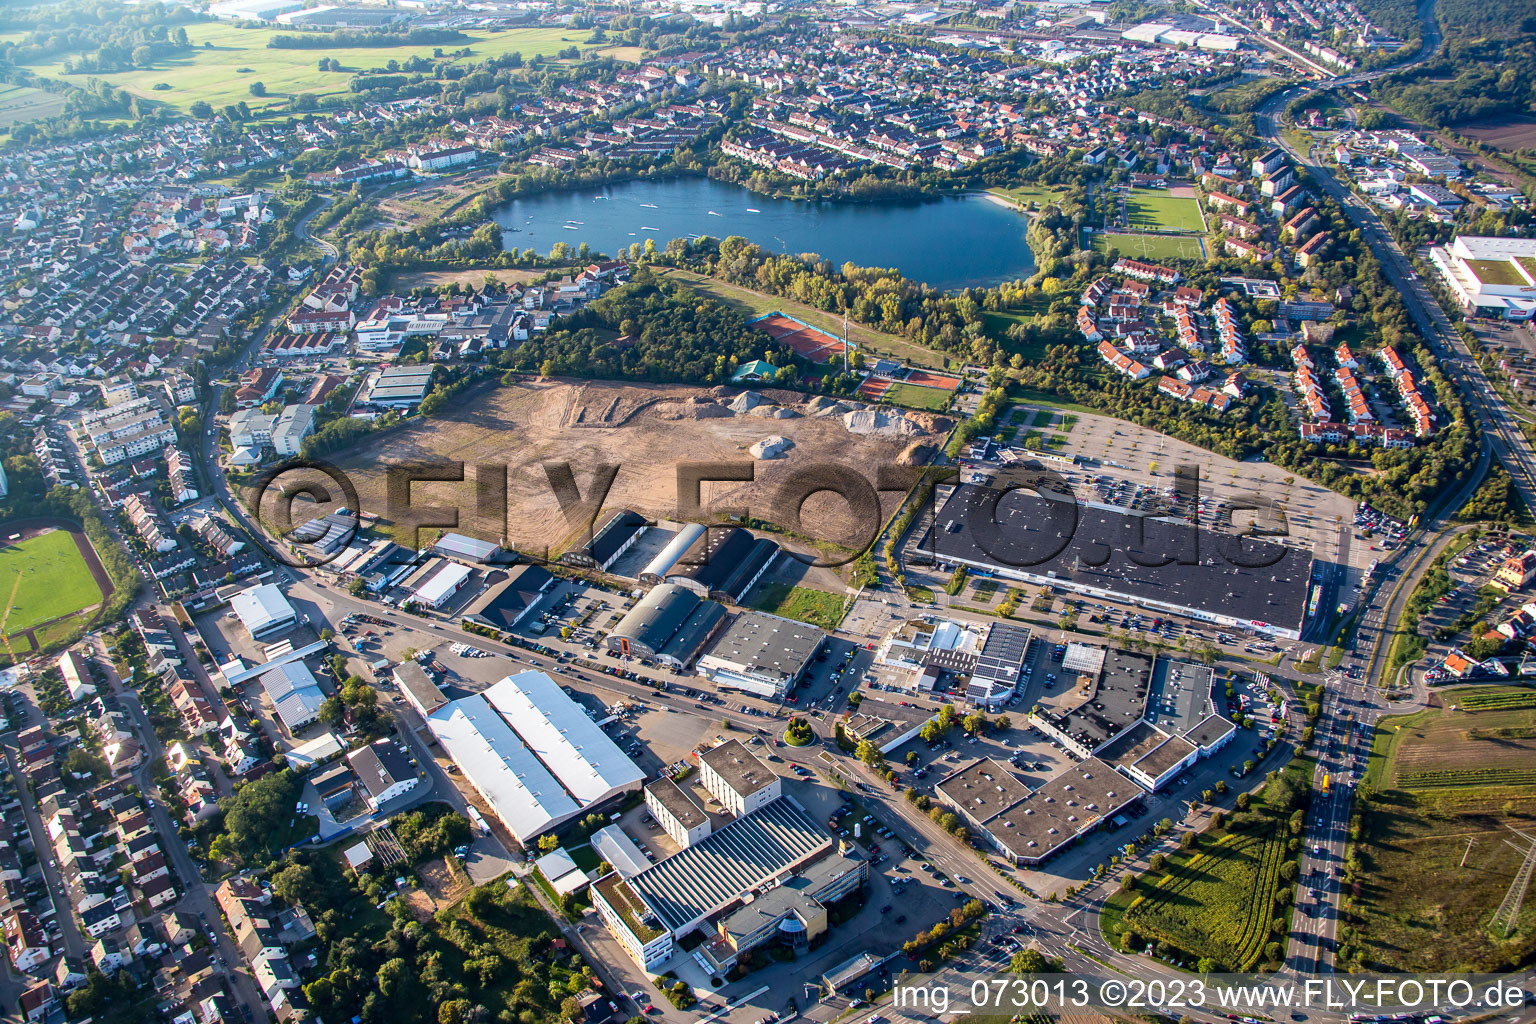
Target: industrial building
{"x": 613, "y": 539}
{"x": 670, "y": 624}
{"x": 294, "y": 693}
{"x": 401, "y": 386}
{"x": 385, "y": 771}
{"x": 735, "y": 777}
{"x": 263, "y": 610}
{"x": 466, "y": 549}
{"x": 761, "y": 654}
{"x": 723, "y": 563}
{"x": 676, "y": 812}
{"x": 419, "y": 689}
{"x": 1088, "y": 549}
{"x": 531, "y": 752}
{"x": 1490, "y": 276}
{"x": 507, "y": 602}
{"x": 986, "y": 657}
{"x": 439, "y": 584}
{"x": 1029, "y": 826}
{"x": 751, "y": 857}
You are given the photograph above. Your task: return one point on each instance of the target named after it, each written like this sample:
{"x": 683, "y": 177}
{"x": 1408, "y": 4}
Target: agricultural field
{"x": 1442, "y": 792}
{"x": 645, "y": 430}
{"x": 1441, "y": 748}
{"x": 817, "y": 607}
{"x": 1152, "y": 247}
{"x": 43, "y": 578}
{"x": 1152, "y": 210}
{"x": 226, "y": 59}
{"x": 19, "y": 103}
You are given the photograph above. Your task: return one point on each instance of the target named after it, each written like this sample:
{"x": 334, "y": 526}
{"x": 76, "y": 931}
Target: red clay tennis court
{"x": 924, "y": 379}
{"x": 874, "y": 387}
{"x": 812, "y": 343}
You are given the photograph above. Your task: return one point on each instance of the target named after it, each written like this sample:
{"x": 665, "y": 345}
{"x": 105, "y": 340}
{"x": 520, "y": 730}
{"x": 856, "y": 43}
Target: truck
{"x": 478, "y": 820}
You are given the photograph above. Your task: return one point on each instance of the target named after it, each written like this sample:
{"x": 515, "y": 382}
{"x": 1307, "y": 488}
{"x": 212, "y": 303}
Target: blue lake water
{"x": 949, "y": 243}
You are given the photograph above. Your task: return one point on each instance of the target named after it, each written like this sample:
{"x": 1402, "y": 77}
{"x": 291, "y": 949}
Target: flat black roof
{"x": 1093, "y": 546}
{"x": 1115, "y": 700}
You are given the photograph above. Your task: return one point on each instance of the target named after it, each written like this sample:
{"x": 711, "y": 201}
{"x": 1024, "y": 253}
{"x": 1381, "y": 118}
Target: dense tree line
{"x": 1487, "y": 67}
{"x": 366, "y": 37}
{"x": 669, "y": 333}
{"x": 97, "y": 36}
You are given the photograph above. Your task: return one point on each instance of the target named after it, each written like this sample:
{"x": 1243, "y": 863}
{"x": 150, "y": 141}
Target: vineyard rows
{"x": 1217, "y": 904}
{"x": 1501, "y": 699}
{"x": 1455, "y": 777}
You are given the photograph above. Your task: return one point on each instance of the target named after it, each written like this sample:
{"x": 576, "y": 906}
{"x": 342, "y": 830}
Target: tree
{"x": 258, "y": 89}
{"x": 1205, "y": 965}
{"x": 1028, "y": 961}
{"x": 974, "y": 722}
{"x": 548, "y": 843}
{"x": 1003, "y": 723}
{"x": 869, "y": 754}
{"x": 297, "y": 885}
{"x": 82, "y": 762}
{"x": 201, "y": 109}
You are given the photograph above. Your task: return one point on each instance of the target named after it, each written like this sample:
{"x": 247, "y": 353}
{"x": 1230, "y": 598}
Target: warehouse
{"x": 419, "y": 689}
{"x": 263, "y": 610}
{"x": 648, "y": 911}
{"x": 670, "y": 624}
{"x": 435, "y": 590}
{"x": 508, "y": 602}
{"x": 615, "y": 537}
{"x": 1053, "y": 542}
{"x": 294, "y": 693}
{"x": 657, "y": 568}
{"x": 1028, "y": 826}
{"x": 734, "y": 776}
{"x": 761, "y": 654}
{"x": 466, "y": 549}
{"x": 532, "y": 753}
{"x": 401, "y": 386}
{"x": 723, "y": 563}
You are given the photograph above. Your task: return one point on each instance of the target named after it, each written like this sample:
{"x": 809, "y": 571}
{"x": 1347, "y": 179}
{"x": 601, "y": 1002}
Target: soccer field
{"x": 915, "y": 397}
{"x": 1159, "y": 211}
{"x": 43, "y": 578}
{"x": 1141, "y": 246}
{"x": 226, "y": 59}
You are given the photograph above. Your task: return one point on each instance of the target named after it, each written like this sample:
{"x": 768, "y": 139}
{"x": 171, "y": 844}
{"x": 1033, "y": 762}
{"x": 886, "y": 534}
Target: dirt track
{"x": 645, "y": 431}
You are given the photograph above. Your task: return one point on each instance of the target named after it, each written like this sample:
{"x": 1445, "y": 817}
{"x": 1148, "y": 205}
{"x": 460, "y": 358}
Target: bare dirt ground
{"x": 417, "y": 204}
{"x": 1502, "y": 133}
{"x": 646, "y": 431}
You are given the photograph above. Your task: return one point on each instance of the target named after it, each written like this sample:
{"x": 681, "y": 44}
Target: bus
{"x": 1325, "y": 783}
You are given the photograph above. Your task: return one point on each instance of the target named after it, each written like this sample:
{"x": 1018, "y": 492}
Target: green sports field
{"x": 915, "y": 397}
{"x": 1159, "y": 211}
{"x": 44, "y": 578}
{"x": 1142, "y": 246}
{"x": 212, "y": 70}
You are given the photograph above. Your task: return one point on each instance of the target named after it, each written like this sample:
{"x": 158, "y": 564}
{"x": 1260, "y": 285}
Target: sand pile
{"x": 771, "y": 448}
{"x": 773, "y": 412}
{"x": 747, "y": 401}
{"x": 692, "y": 409}
{"x": 881, "y": 423}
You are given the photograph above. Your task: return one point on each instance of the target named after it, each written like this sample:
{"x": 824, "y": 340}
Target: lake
{"x": 953, "y": 242}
